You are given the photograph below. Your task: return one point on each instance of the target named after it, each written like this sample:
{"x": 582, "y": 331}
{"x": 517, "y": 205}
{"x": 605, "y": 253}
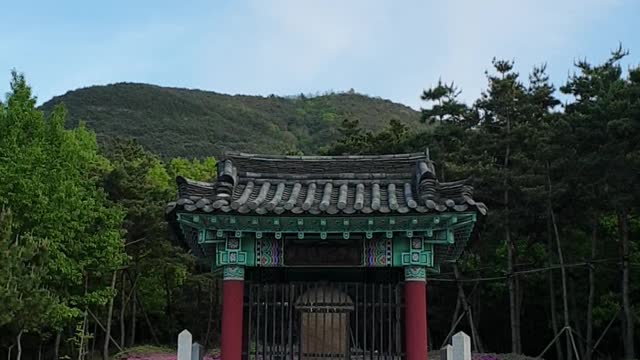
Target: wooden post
{"x": 232, "y": 301}
{"x": 416, "y": 312}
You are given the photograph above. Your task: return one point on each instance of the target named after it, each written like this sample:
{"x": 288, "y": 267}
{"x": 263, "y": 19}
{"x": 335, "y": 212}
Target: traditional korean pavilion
{"x": 324, "y": 257}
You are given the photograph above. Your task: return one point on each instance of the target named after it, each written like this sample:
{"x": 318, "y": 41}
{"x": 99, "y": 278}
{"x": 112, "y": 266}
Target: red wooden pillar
{"x": 232, "y": 301}
{"x": 415, "y": 312}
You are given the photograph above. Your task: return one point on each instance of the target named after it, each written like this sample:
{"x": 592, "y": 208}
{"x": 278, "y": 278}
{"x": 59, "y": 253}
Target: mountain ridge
{"x": 172, "y": 121}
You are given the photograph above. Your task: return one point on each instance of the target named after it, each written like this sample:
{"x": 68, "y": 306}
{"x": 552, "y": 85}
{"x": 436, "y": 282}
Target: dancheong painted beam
{"x": 260, "y": 241}
{"x": 367, "y": 211}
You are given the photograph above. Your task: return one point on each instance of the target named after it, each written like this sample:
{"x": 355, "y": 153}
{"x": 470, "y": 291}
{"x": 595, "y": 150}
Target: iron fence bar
{"x": 315, "y": 318}
{"x": 324, "y": 318}
{"x": 258, "y": 323}
{"x": 331, "y": 317}
{"x": 389, "y": 321}
{"x": 273, "y": 321}
{"x": 381, "y": 321}
{"x": 344, "y": 321}
{"x": 344, "y": 327}
{"x": 281, "y": 347}
{"x": 265, "y": 350}
{"x": 327, "y": 315}
{"x": 290, "y": 292}
{"x": 357, "y": 324}
{"x": 364, "y": 347}
{"x": 299, "y": 324}
{"x": 373, "y": 321}
{"x": 398, "y": 314}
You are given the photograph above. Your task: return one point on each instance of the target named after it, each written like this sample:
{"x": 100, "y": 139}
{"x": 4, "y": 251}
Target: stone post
{"x": 461, "y": 346}
{"x": 184, "y": 345}
{"x": 415, "y": 312}
{"x": 232, "y": 301}
{"x": 446, "y": 353}
{"x": 197, "y": 351}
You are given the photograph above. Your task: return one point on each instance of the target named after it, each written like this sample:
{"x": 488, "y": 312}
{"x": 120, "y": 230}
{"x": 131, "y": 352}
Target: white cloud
{"x": 304, "y": 37}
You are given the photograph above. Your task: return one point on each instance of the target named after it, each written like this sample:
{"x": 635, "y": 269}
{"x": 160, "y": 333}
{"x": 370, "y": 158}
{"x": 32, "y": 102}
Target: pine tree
{"x": 445, "y": 105}
{"x": 500, "y": 113}
{"x": 605, "y": 119}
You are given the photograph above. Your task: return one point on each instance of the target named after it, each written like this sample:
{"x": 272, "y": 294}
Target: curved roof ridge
{"x": 407, "y": 156}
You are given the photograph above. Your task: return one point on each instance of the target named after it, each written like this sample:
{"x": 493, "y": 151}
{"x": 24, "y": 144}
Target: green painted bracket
{"x": 413, "y": 236}
{"x": 406, "y": 225}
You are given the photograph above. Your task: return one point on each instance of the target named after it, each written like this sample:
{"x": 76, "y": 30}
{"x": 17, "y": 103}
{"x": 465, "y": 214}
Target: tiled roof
{"x": 263, "y": 184}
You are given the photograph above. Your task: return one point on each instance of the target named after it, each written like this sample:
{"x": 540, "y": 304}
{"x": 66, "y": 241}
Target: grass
{"x": 144, "y": 349}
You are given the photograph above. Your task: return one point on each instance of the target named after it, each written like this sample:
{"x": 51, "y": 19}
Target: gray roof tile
{"x": 265, "y": 184}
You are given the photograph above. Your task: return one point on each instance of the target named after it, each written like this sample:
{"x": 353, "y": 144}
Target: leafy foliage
{"x": 159, "y": 272}
{"x": 26, "y": 304}
{"x": 49, "y": 183}
{"x": 50, "y": 179}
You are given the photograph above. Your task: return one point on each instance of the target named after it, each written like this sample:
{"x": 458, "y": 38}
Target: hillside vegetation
{"x": 193, "y": 123}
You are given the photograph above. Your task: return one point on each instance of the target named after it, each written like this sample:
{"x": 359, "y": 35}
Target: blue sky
{"x": 391, "y": 49}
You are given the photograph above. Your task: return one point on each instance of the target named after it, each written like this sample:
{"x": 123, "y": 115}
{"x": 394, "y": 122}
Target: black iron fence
{"x": 323, "y": 320}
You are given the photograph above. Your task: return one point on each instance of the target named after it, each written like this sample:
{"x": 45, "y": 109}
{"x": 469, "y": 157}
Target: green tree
{"x": 445, "y": 105}
{"x": 604, "y": 117}
{"x": 158, "y": 272}
{"x": 26, "y": 305}
{"x": 198, "y": 169}
{"x": 500, "y": 109}
{"x": 49, "y": 179}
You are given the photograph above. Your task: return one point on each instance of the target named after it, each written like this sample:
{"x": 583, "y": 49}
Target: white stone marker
{"x": 461, "y": 346}
{"x": 197, "y": 351}
{"x": 446, "y": 353}
{"x": 184, "y": 345}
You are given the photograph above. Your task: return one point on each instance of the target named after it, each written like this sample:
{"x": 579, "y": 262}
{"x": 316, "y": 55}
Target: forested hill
{"x": 192, "y": 123}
